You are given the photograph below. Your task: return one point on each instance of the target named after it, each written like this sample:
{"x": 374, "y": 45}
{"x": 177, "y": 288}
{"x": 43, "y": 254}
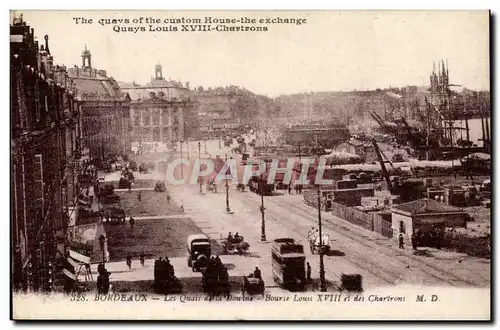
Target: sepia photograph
{"x": 250, "y": 165}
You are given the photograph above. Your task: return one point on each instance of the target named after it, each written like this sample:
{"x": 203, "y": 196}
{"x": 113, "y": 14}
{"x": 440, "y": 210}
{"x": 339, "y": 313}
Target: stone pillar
{"x": 180, "y": 115}
{"x": 170, "y": 128}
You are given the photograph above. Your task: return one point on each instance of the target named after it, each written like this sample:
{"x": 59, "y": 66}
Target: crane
{"x": 382, "y": 164}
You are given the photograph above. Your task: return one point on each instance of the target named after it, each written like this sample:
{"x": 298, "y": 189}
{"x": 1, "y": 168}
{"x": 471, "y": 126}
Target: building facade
{"x": 44, "y": 158}
{"x": 408, "y": 218}
{"x": 316, "y": 134}
{"x": 104, "y": 112}
{"x": 160, "y": 111}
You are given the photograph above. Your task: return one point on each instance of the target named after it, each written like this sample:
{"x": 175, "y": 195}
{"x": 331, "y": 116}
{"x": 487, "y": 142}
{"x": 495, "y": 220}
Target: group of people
{"x": 216, "y": 271}
{"x": 163, "y": 269}
{"x": 128, "y": 259}
{"x": 430, "y": 238}
{"x": 236, "y": 238}
{"x": 298, "y": 188}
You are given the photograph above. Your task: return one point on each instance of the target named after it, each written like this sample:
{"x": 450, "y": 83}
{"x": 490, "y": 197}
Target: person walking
{"x": 132, "y": 222}
{"x": 257, "y": 273}
{"x": 141, "y": 258}
{"x": 308, "y": 272}
{"x": 289, "y": 189}
{"x": 414, "y": 241}
{"x": 129, "y": 262}
{"x": 401, "y": 241}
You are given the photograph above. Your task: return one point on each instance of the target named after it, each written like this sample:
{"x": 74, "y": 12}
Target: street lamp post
{"x": 228, "y": 210}
{"x": 199, "y": 164}
{"x": 262, "y": 210}
{"x": 182, "y": 167}
{"x": 321, "y": 250}
{"x": 102, "y": 241}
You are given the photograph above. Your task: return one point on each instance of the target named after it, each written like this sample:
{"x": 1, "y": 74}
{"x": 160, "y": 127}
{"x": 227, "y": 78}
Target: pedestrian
{"x": 129, "y": 262}
{"x": 168, "y": 198}
{"x": 132, "y": 222}
{"x": 289, "y": 189}
{"x": 139, "y": 196}
{"x": 257, "y": 273}
{"x": 181, "y": 208}
{"x": 308, "y": 273}
{"x": 141, "y": 258}
{"x": 401, "y": 241}
{"x": 414, "y": 241}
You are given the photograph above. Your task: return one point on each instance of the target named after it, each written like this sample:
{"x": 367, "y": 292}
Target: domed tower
{"x": 86, "y": 56}
{"x": 158, "y": 72}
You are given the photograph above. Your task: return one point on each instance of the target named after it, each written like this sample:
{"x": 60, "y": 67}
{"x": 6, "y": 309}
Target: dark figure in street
{"x": 181, "y": 208}
{"x": 129, "y": 262}
{"x": 132, "y": 222}
{"x": 257, "y": 273}
{"x": 401, "y": 241}
{"x": 229, "y": 237}
{"x": 142, "y": 258}
{"x": 218, "y": 261}
{"x": 139, "y": 196}
{"x": 168, "y": 198}
{"x": 414, "y": 241}
{"x": 308, "y": 272}
{"x": 289, "y": 189}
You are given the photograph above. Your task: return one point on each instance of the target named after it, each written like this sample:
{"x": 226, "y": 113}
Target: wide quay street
{"x": 161, "y": 230}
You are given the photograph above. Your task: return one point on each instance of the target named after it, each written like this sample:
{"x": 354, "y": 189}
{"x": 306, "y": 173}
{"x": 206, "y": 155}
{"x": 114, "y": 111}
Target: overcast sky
{"x": 332, "y": 51}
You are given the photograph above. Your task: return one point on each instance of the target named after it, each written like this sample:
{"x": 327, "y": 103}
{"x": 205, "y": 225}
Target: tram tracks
{"x": 430, "y": 269}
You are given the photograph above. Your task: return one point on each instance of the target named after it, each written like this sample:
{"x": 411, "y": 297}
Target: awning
{"x": 69, "y": 274}
{"x": 79, "y": 257}
{"x": 72, "y": 263}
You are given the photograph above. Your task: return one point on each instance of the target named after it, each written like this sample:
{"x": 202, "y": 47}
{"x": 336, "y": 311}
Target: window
{"x": 146, "y": 114}
{"x": 156, "y": 117}
{"x": 402, "y": 227}
{"x": 137, "y": 118}
{"x": 156, "y": 134}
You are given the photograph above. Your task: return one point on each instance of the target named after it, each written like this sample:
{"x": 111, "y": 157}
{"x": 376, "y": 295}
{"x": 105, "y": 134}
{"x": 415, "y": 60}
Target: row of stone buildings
{"x": 62, "y": 121}
{"x": 45, "y": 152}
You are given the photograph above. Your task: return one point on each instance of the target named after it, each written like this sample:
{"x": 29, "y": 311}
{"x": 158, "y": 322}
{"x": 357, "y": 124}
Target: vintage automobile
{"x": 132, "y": 166}
{"x": 199, "y": 252}
{"x": 160, "y": 186}
{"x": 114, "y": 214}
{"x": 143, "y": 168}
{"x": 124, "y": 183}
{"x": 110, "y": 199}
{"x": 252, "y": 285}
{"x": 351, "y": 282}
{"x": 215, "y": 280}
{"x": 106, "y": 190}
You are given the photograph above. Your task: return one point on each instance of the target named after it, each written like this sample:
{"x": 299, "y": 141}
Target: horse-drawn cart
{"x": 235, "y": 245}
{"x": 316, "y": 244}
{"x": 211, "y": 186}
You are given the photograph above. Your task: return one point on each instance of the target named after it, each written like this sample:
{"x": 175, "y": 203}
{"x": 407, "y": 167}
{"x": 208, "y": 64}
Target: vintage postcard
{"x": 250, "y": 165}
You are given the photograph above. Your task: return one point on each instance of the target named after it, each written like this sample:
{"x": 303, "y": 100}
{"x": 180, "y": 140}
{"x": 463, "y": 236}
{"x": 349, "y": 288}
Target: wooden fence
{"x": 370, "y": 221}
{"x": 352, "y": 215}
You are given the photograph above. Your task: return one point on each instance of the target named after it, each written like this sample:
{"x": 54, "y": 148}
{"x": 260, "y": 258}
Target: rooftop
{"x": 426, "y": 205}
